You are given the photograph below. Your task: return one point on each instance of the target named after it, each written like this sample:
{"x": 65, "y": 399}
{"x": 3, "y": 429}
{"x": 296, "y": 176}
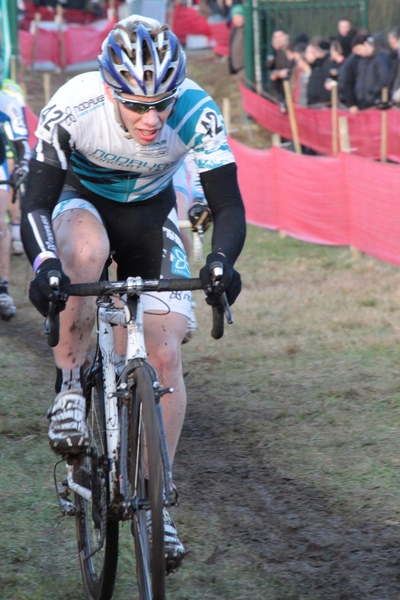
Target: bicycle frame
{"x": 129, "y": 316}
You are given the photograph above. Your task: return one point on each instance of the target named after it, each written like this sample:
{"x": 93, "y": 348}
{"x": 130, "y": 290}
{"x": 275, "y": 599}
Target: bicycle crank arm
{"x": 75, "y": 487}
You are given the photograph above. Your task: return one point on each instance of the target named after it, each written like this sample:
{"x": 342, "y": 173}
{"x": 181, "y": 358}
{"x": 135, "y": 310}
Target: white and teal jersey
{"x": 12, "y": 118}
{"x": 80, "y": 127}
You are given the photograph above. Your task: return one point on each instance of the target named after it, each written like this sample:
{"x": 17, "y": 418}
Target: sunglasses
{"x": 143, "y": 107}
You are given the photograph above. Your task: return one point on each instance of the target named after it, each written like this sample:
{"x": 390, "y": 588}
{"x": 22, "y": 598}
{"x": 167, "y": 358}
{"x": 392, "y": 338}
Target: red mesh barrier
{"x": 342, "y": 200}
{"x": 315, "y": 126}
{"x": 373, "y": 192}
{"x": 80, "y": 43}
{"x": 47, "y": 46}
{"x": 76, "y": 51}
{"x": 220, "y": 35}
{"x": 188, "y": 21}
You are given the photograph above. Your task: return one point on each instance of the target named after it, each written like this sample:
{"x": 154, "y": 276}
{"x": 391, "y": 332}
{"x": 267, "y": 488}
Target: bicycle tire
{"x": 99, "y": 570}
{"x": 150, "y": 552}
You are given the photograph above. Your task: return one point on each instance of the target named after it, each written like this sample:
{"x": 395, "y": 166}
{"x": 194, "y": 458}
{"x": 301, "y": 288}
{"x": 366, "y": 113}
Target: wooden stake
{"x": 111, "y": 10}
{"x": 345, "y": 147}
{"x": 385, "y": 98}
{"x": 334, "y": 96}
{"x": 292, "y": 116}
{"x": 226, "y": 112}
{"x": 344, "y": 134}
{"x": 46, "y": 87}
{"x": 276, "y": 139}
{"x": 13, "y": 68}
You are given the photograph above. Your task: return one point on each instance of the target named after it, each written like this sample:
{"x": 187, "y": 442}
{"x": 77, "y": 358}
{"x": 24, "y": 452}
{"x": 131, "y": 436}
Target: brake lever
{"x": 54, "y": 283}
{"x": 217, "y": 271}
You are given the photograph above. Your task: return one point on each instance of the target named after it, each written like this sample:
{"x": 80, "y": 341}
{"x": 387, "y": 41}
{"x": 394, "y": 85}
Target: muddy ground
{"x": 252, "y": 529}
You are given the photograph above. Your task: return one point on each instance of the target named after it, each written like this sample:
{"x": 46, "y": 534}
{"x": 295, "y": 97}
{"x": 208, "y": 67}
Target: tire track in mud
{"x": 277, "y": 525}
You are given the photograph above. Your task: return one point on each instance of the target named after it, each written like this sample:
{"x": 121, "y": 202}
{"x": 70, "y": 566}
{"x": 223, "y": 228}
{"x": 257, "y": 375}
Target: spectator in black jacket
{"x": 317, "y": 55}
{"x": 336, "y": 63}
{"x": 236, "y": 41}
{"x": 347, "y": 83}
{"x": 278, "y": 63}
{"x": 372, "y": 73}
{"x": 394, "y": 48}
{"x": 345, "y": 35}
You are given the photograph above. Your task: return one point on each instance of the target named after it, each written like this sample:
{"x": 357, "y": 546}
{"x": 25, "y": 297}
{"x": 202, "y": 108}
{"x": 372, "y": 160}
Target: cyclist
{"x": 12, "y": 130}
{"x": 101, "y": 179}
{"x": 11, "y": 87}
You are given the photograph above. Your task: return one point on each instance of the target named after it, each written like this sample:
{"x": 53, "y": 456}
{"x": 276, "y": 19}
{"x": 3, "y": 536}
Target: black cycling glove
{"x": 20, "y": 174}
{"x": 40, "y": 292}
{"x": 230, "y": 281}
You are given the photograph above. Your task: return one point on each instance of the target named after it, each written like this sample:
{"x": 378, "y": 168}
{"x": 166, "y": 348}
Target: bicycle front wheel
{"x": 97, "y": 535}
{"x": 147, "y": 484}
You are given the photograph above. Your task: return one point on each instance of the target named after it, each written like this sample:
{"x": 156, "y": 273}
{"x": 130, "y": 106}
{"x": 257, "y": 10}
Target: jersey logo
{"x": 180, "y": 265}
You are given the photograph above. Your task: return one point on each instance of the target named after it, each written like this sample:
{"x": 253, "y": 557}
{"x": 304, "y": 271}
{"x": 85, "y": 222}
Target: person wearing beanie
{"x": 236, "y": 41}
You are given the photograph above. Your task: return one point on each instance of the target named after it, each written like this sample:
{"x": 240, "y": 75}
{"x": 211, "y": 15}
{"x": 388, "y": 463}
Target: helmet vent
{"x": 141, "y": 56}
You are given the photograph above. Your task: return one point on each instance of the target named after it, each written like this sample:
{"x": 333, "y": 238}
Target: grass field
{"x": 290, "y": 453}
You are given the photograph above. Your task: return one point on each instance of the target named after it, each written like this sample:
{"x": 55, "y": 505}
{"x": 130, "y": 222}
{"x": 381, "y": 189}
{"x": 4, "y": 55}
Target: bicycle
{"x": 126, "y": 471}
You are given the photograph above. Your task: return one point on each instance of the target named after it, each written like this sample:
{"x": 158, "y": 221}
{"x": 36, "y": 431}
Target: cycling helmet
{"x": 143, "y": 57}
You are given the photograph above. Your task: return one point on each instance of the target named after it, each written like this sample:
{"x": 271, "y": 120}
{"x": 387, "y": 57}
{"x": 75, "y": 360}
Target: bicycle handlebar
{"x": 132, "y": 285}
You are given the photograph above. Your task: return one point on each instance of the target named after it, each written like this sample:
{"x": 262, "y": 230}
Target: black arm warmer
{"x": 23, "y": 150}
{"x": 44, "y": 187}
{"x": 225, "y": 201}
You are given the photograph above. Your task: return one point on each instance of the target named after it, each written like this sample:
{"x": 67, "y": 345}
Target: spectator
{"x": 317, "y": 55}
{"x": 337, "y": 60}
{"x": 236, "y": 41}
{"x": 380, "y": 42}
{"x": 302, "y": 71}
{"x": 278, "y": 63}
{"x": 372, "y": 73}
{"x": 215, "y": 10}
{"x": 345, "y": 36}
{"x": 394, "y": 47}
{"x": 347, "y": 83}
{"x": 299, "y": 44}
{"x": 336, "y": 54}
